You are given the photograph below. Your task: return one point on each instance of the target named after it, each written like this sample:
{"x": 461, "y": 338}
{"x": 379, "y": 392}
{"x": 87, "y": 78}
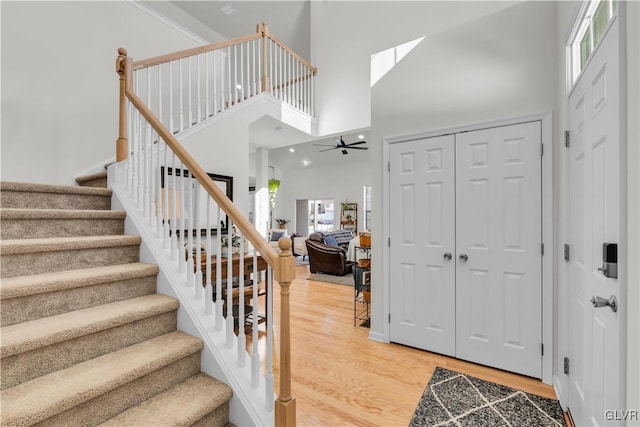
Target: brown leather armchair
{"x": 325, "y": 258}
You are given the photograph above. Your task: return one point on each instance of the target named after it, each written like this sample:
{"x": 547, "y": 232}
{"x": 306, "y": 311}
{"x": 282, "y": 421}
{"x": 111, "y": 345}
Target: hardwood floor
{"x": 340, "y": 377}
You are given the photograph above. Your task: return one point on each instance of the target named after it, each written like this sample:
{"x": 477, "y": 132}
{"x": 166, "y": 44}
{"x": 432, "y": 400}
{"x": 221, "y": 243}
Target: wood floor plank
{"x": 341, "y": 377}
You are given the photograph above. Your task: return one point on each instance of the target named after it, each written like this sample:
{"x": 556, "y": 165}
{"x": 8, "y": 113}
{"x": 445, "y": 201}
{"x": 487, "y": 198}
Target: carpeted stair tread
{"x": 26, "y": 336}
{"x": 20, "y": 286}
{"x": 181, "y": 405}
{"x": 20, "y": 246}
{"x": 13, "y": 213}
{"x": 56, "y": 189}
{"x": 44, "y": 397}
{"x": 94, "y": 176}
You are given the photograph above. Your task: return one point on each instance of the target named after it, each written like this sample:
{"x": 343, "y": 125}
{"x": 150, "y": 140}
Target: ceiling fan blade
{"x": 327, "y": 149}
{"x": 324, "y": 145}
{"x": 357, "y": 148}
{"x": 356, "y": 143}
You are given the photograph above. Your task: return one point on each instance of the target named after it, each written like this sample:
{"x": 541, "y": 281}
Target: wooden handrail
{"x": 221, "y": 199}
{"x": 157, "y": 60}
{"x": 311, "y": 68}
{"x": 294, "y": 81}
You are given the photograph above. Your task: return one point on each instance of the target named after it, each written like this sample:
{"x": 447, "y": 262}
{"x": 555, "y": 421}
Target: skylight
{"x": 383, "y": 62}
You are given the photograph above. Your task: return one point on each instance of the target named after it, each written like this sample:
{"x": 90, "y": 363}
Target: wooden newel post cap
{"x": 122, "y": 51}
{"x": 284, "y": 243}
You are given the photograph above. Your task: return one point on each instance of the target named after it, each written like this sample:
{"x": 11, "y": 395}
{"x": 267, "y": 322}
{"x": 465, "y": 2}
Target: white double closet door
{"x": 466, "y": 236}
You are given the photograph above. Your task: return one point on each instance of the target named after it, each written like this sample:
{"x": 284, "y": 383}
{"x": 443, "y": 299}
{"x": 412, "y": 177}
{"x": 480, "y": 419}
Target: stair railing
{"x": 179, "y": 200}
{"x": 185, "y": 88}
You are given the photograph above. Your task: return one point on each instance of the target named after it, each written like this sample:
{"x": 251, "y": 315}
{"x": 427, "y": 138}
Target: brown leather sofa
{"x": 325, "y": 258}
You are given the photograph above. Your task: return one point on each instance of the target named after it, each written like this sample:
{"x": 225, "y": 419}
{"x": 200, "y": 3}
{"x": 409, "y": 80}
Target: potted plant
{"x": 282, "y": 222}
{"x": 235, "y": 244}
{"x": 349, "y": 217}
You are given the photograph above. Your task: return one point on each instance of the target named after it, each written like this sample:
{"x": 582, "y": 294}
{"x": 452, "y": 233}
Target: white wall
{"x": 337, "y": 182}
{"x": 59, "y": 85}
{"x": 345, "y": 34}
{"x": 500, "y": 66}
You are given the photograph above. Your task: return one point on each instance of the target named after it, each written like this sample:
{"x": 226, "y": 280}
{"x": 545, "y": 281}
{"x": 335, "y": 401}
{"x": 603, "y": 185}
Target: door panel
{"x": 595, "y": 378}
{"x": 422, "y": 201}
{"x": 499, "y": 229}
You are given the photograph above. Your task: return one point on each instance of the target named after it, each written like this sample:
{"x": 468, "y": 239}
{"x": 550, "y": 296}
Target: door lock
{"x": 603, "y": 302}
{"x": 447, "y": 256}
{"x": 463, "y": 257}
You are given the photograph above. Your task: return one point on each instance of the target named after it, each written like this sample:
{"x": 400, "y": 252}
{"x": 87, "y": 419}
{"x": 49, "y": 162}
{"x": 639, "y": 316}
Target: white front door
{"x": 498, "y": 243}
{"x": 595, "y": 379}
{"x": 422, "y": 196}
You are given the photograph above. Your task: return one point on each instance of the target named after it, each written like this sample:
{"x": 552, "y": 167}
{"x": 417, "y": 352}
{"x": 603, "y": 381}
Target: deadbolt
{"x": 447, "y": 256}
{"x": 463, "y": 257}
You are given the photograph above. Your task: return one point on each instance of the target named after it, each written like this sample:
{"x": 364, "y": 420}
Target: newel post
{"x": 285, "y": 273}
{"x": 264, "y": 31}
{"x": 121, "y": 68}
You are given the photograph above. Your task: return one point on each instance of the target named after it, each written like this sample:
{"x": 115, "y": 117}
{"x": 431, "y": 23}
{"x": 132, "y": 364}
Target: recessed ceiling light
{"x": 227, "y": 9}
{"x": 360, "y": 136}
{"x": 292, "y": 149}
{"x": 306, "y": 162}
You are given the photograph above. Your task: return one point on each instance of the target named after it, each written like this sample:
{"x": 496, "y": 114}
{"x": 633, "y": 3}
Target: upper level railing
{"x": 185, "y": 88}
{"x": 186, "y": 208}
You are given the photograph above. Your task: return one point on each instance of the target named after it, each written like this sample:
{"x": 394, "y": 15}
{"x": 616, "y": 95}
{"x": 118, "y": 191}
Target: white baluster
{"x": 236, "y": 92}
{"x": 254, "y": 90}
{"x": 270, "y": 67}
{"x": 147, "y": 167}
{"x": 165, "y": 199}
{"x": 130, "y": 149}
{"x": 189, "y": 104}
{"x": 183, "y": 218}
{"x": 230, "y": 100}
{"x": 181, "y": 92}
{"x": 197, "y": 226}
{"x": 198, "y": 91}
{"x": 260, "y": 53}
{"x": 255, "y": 355}
{"x": 229, "y": 298}
{"x": 269, "y": 364}
{"x": 218, "y": 304}
{"x": 208, "y": 295}
{"x": 160, "y": 94}
{"x": 206, "y": 84}
{"x": 242, "y": 84}
{"x": 174, "y": 214}
{"x": 171, "y": 97}
{"x": 242, "y": 339}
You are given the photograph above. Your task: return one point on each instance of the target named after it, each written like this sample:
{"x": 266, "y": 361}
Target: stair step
{"x": 100, "y": 388}
{"x": 26, "y": 298}
{"x": 22, "y": 257}
{"x": 182, "y": 405}
{"x": 98, "y": 180}
{"x": 44, "y": 223}
{"x": 36, "y": 348}
{"x": 44, "y": 196}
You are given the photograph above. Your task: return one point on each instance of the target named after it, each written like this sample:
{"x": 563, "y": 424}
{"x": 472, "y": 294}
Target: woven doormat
{"x": 455, "y": 399}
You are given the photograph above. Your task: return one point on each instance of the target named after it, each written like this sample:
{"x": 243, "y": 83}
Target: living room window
{"x": 367, "y": 207}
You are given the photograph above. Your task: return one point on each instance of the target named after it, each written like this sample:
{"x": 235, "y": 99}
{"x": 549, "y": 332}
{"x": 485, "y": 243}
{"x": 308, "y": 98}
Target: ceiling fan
{"x": 341, "y": 145}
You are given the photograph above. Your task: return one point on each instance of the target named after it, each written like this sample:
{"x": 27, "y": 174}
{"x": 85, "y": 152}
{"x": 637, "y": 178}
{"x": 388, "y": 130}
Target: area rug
{"x": 346, "y": 280}
{"x": 454, "y": 399}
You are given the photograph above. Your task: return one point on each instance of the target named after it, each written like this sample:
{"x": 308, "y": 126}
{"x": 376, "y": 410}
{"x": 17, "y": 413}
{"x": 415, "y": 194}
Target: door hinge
{"x": 567, "y": 138}
{"x": 541, "y": 149}
{"x": 542, "y": 248}
{"x": 567, "y": 252}
{"x": 389, "y": 242}
{"x": 388, "y": 166}
{"x": 566, "y": 365}
{"x": 542, "y": 349}
{"x": 389, "y": 317}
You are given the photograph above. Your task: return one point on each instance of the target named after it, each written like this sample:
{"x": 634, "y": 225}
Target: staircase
{"x": 85, "y": 338}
